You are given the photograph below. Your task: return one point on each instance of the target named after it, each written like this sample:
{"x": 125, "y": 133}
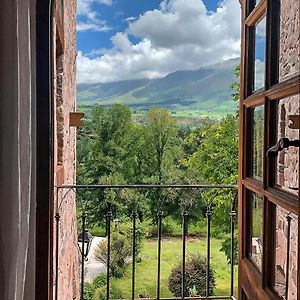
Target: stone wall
{"x": 289, "y": 39}
{"x": 281, "y": 253}
{"x": 65, "y": 154}
{"x": 288, "y": 160}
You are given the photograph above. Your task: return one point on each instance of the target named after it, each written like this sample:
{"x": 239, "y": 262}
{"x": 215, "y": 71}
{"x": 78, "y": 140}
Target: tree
{"x": 160, "y": 132}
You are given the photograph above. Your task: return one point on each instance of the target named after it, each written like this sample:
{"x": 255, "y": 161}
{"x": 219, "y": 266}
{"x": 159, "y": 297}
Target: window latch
{"x": 283, "y": 143}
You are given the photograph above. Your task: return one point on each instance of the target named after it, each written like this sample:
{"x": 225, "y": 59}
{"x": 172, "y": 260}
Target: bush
{"x": 88, "y": 291}
{"x": 119, "y": 252}
{"x": 99, "y": 280}
{"x": 195, "y": 277}
{"x": 169, "y": 227}
{"x": 115, "y": 293}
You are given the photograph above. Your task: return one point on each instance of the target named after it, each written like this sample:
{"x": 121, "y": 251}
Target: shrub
{"x": 169, "y": 227}
{"x": 115, "y": 293}
{"x": 99, "y": 280}
{"x": 88, "y": 291}
{"x": 195, "y": 277}
{"x": 119, "y": 252}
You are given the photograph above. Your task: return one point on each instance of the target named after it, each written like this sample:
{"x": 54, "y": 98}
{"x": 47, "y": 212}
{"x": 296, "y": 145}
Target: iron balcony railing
{"x": 216, "y": 190}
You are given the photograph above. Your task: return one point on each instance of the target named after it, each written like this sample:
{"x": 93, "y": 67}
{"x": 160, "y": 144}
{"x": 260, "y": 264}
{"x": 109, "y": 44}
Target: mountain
{"x": 185, "y": 93}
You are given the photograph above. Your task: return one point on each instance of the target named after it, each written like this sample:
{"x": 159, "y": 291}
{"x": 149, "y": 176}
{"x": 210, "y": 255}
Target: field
{"x": 146, "y": 270}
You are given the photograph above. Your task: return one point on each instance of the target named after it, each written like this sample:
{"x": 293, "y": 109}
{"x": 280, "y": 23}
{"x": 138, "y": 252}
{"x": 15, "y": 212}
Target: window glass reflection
{"x": 257, "y": 142}
{"x": 257, "y": 204}
{"x": 259, "y": 55}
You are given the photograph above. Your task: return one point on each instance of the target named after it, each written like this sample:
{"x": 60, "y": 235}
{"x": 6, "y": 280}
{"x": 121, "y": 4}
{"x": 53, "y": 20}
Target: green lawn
{"x": 146, "y": 270}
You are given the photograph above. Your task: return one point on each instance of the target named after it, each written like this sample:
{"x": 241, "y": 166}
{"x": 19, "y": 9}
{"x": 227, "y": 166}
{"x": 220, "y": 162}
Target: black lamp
{"x": 87, "y": 240}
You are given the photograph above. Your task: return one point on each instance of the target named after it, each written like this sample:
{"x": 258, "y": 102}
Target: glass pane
{"x": 257, "y": 204}
{"x": 287, "y": 168}
{"x": 289, "y": 51}
{"x": 257, "y": 142}
{"x": 259, "y": 55}
{"x": 286, "y": 254}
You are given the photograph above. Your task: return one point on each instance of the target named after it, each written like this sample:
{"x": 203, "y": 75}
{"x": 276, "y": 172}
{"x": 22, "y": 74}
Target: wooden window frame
{"x": 272, "y": 92}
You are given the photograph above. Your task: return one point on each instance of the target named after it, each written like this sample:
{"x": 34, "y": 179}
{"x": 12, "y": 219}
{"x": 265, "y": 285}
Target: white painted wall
{"x": 17, "y": 154}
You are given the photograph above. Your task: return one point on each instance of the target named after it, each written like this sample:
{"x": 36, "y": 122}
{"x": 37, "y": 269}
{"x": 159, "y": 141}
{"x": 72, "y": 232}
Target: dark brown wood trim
{"x": 279, "y": 197}
{"x": 241, "y": 168}
{"x": 282, "y": 198}
{"x": 285, "y": 89}
{"x": 256, "y": 13}
{"x": 260, "y": 286}
{"x": 251, "y": 102}
{"x": 44, "y": 169}
{"x": 272, "y": 43}
{"x": 254, "y": 185}
{"x": 280, "y": 90}
{"x": 252, "y": 284}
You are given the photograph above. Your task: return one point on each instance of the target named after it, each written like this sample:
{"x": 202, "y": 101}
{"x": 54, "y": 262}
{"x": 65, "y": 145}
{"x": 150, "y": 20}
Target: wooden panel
{"x": 257, "y": 13}
{"x": 286, "y": 200}
{"x": 251, "y": 282}
{"x": 242, "y": 149}
{"x": 280, "y": 90}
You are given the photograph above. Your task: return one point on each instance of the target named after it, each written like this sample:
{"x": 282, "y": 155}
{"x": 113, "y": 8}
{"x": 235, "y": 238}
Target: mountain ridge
{"x": 205, "y": 90}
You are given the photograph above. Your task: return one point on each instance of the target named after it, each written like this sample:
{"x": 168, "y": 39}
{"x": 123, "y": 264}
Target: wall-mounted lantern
{"x": 84, "y": 243}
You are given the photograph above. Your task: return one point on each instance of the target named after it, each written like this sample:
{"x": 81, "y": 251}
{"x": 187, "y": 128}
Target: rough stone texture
{"x": 281, "y": 253}
{"x": 289, "y": 39}
{"x": 288, "y": 160}
{"x": 65, "y": 159}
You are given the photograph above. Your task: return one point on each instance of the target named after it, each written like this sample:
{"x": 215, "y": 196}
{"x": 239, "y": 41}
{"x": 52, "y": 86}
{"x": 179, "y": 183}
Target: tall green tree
{"x": 160, "y": 135}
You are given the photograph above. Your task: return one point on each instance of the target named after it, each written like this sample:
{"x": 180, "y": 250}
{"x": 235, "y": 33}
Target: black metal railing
{"x": 214, "y": 192}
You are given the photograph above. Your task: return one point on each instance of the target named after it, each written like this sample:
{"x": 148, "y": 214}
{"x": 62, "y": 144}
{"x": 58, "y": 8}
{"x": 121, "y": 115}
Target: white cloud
{"x": 91, "y": 22}
{"x": 259, "y": 79}
{"x": 180, "y": 35}
{"x": 130, "y": 19}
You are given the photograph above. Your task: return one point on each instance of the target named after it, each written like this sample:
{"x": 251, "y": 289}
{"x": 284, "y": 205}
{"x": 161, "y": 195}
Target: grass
{"x": 146, "y": 270}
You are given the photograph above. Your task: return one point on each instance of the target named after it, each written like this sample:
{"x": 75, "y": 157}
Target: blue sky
{"x": 131, "y": 39}
{"x": 115, "y": 16}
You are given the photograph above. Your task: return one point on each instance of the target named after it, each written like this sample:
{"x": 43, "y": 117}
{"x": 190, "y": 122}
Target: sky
{"x": 133, "y": 39}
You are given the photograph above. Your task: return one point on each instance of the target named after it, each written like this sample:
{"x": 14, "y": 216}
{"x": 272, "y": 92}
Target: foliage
{"x": 195, "y": 277}
{"x": 215, "y": 160}
{"x": 226, "y": 248}
{"x": 169, "y": 227}
{"x": 99, "y": 280}
{"x": 139, "y": 236}
{"x": 114, "y": 293}
{"x": 113, "y": 148}
{"x": 235, "y": 86}
{"x": 119, "y": 252}
{"x": 88, "y": 291}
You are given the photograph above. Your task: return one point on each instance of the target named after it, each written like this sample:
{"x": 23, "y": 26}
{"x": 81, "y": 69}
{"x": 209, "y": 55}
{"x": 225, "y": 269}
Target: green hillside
{"x": 187, "y": 94}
